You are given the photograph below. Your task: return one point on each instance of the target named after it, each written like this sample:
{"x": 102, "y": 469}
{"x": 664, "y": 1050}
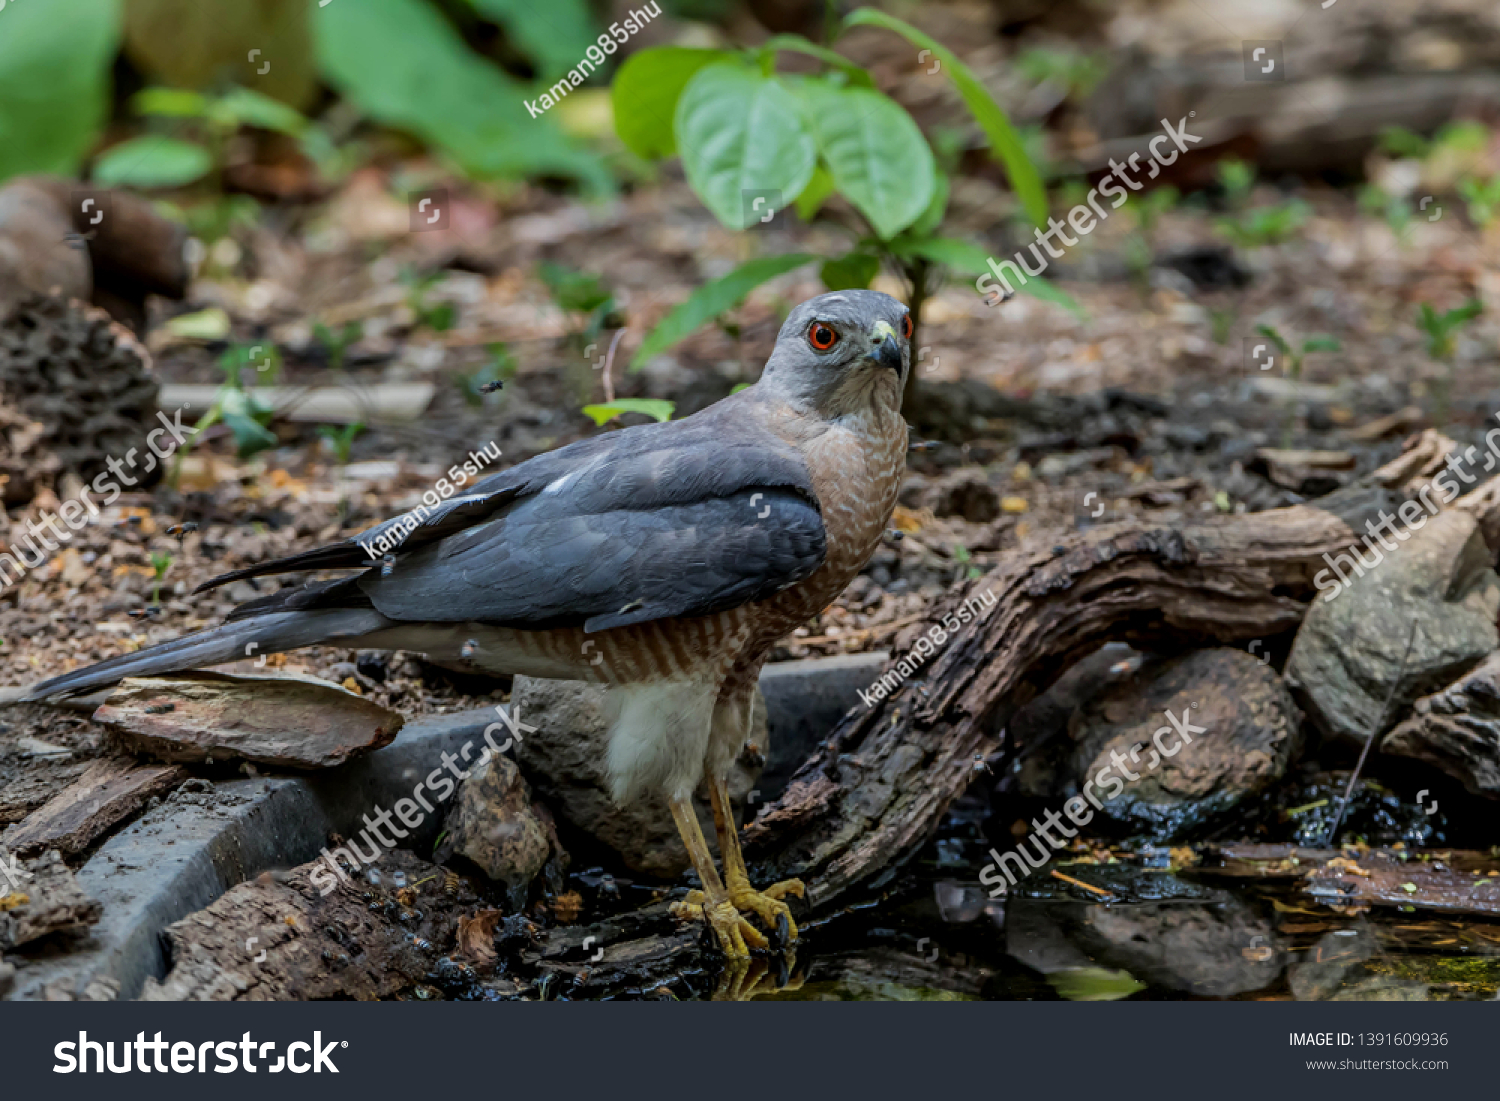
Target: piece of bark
{"x": 25, "y": 793}
{"x": 1383, "y": 880}
{"x": 111, "y": 790}
{"x": 278, "y": 938}
{"x": 44, "y": 899}
{"x": 290, "y": 722}
{"x": 881, "y": 782}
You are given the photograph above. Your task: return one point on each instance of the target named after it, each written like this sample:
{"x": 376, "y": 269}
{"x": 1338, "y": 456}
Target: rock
{"x": 1458, "y": 730}
{"x": 564, "y": 761}
{"x": 110, "y": 791}
{"x": 804, "y": 700}
{"x": 494, "y": 826}
{"x": 1226, "y": 719}
{"x": 1337, "y": 957}
{"x": 1349, "y": 648}
{"x": 293, "y": 722}
{"x": 45, "y": 898}
{"x": 35, "y": 255}
{"x": 7, "y": 977}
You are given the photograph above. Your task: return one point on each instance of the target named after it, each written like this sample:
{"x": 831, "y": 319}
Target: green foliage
{"x": 152, "y": 160}
{"x": 1294, "y": 357}
{"x": 437, "y": 316}
{"x": 1482, "y": 198}
{"x": 263, "y": 361}
{"x": 55, "y": 60}
{"x": 1237, "y": 178}
{"x": 340, "y": 439}
{"x": 578, "y": 292}
{"x": 1395, "y": 211}
{"x": 1005, "y": 144}
{"x": 1442, "y": 329}
{"x": 1265, "y": 225}
{"x": 554, "y": 35}
{"x": 161, "y": 563}
{"x": 645, "y": 93}
{"x": 1398, "y": 141}
{"x": 1150, "y": 206}
{"x": 738, "y": 129}
{"x": 1076, "y": 73}
{"x": 403, "y": 65}
{"x": 655, "y": 408}
{"x": 973, "y": 260}
{"x": 336, "y": 343}
{"x": 712, "y": 299}
{"x": 854, "y": 270}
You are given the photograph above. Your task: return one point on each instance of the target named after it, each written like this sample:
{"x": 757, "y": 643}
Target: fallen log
{"x": 879, "y": 785}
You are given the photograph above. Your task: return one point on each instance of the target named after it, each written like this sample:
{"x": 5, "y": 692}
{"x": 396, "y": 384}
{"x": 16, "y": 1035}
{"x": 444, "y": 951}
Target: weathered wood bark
{"x": 109, "y": 792}
{"x": 882, "y": 781}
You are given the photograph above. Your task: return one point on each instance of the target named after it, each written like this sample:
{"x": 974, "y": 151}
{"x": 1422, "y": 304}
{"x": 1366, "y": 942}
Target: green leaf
{"x": 652, "y": 407}
{"x": 852, "y": 271}
{"x": 403, "y": 64}
{"x": 1320, "y": 344}
{"x": 797, "y": 44}
{"x": 176, "y": 103}
{"x": 1094, "y": 984}
{"x": 971, "y": 259}
{"x": 152, "y": 161}
{"x": 739, "y": 131}
{"x": 55, "y": 58}
{"x": 815, "y": 194}
{"x": 874, "y": 151}
{"x": 928, "y": 221}
{"x": 244, "y": 107}
{"x": 645, "y": 93}
{"x": 712, "y": 299}
{"x": 209, "y": 324}
{"x": 554, "y": 34}
{"x": 1005, "y": 143}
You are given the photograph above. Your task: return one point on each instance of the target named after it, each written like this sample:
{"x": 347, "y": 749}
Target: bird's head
{"x": 842, "y": 353}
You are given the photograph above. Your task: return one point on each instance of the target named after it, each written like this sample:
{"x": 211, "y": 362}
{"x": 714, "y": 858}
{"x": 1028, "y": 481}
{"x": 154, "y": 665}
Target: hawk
{"x": 662, "y": 560}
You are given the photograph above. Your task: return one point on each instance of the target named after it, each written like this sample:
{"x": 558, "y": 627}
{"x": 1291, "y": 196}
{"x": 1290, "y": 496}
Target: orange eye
{"x": 906, "y": 326}
{"x": 821, "y": 336}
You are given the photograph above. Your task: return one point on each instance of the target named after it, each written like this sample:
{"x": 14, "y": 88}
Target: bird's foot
{"x": 735, "y": 933}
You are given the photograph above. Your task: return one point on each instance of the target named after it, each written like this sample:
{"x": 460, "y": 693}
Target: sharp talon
{"x": 783, "y": 972}
{"x": 783, "y": 929}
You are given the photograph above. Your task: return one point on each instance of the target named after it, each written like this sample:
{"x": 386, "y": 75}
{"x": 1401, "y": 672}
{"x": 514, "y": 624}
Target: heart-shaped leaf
{"x": 853, "y": 271}
{"x": 152, "y": 161}
{"x": 645, "y": 92}
{"x": 739, "y": 131}
{"x": 656, "y": 408}
{"x": 876, "y": 155}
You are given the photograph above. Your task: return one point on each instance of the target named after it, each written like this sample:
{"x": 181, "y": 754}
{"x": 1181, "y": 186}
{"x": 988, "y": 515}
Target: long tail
{"x": 249, "y": 637}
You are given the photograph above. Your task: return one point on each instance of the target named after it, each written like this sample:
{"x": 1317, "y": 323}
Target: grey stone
{"x": 1458, "y": 729}
{"x": 804, "y": 701}
{"x": 565, "y": 763}
{"x": 1349, "y": 649}
{"x": 1249, "y": 732}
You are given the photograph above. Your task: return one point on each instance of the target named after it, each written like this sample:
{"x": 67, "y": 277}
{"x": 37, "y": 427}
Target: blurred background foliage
{"x": 453, "y": 75}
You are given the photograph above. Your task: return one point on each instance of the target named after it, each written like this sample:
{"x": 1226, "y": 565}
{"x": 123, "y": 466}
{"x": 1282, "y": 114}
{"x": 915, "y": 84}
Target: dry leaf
{"x": 476, "y": 935}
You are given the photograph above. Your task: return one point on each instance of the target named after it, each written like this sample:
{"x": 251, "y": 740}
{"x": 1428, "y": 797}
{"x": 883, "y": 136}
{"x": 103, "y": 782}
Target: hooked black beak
{"x": 888, "y": 354}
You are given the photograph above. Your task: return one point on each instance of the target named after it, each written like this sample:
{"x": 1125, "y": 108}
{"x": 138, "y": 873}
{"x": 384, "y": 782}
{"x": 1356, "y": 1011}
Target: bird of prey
{"x": 662, "y": 560}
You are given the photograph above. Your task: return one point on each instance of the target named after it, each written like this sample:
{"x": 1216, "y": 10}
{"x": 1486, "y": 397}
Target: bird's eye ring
{"x": 906, "y": 326}
{"x": 821, "y": 336}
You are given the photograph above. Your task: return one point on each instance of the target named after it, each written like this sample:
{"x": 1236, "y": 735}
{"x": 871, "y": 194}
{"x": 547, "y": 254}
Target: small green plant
{"x": 161, "y": 562}
{"x": 157, "y": 160}
{"x": 1075, "y": 73}
{"x": 237, "y": 406}
{"x": 336, "y": 343}
{"x": 755, "y": 142}
{"x": 1441, "y": 330}
{"x": 1393, "y": 209}
{"x": 1147, "y": 210}
{"x": 1482, "y": 198}
{"x": 1293, "y": 356}
{"x": 481, "y": 386}
{"x": 965, "y": 560}
{"x": 655, "y": 408}
{"x": 583, "y": 295}
{"x": 1237, "y": 179}
{"x": 341, "y": 440}
{"x": 1265, "y": 225}
{"x": 437, "y": 316}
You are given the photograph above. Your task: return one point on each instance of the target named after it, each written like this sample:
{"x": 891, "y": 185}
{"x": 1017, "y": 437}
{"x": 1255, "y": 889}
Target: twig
{"x": 609, "y": 362}
{"x": 1080, "y": 883}
{"x": 1375, "y": 732}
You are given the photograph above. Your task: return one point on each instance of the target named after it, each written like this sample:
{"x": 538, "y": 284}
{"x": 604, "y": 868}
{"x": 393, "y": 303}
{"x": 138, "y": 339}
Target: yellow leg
{"x": 767, "y": 904}
{"x": 736, "y": 935}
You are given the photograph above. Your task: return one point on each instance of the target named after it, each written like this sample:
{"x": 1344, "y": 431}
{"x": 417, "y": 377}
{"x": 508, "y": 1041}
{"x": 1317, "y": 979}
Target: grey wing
{"x": 542, "y": 566}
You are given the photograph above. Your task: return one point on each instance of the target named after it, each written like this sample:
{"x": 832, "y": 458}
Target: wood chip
{"x": 109, "y": 792}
